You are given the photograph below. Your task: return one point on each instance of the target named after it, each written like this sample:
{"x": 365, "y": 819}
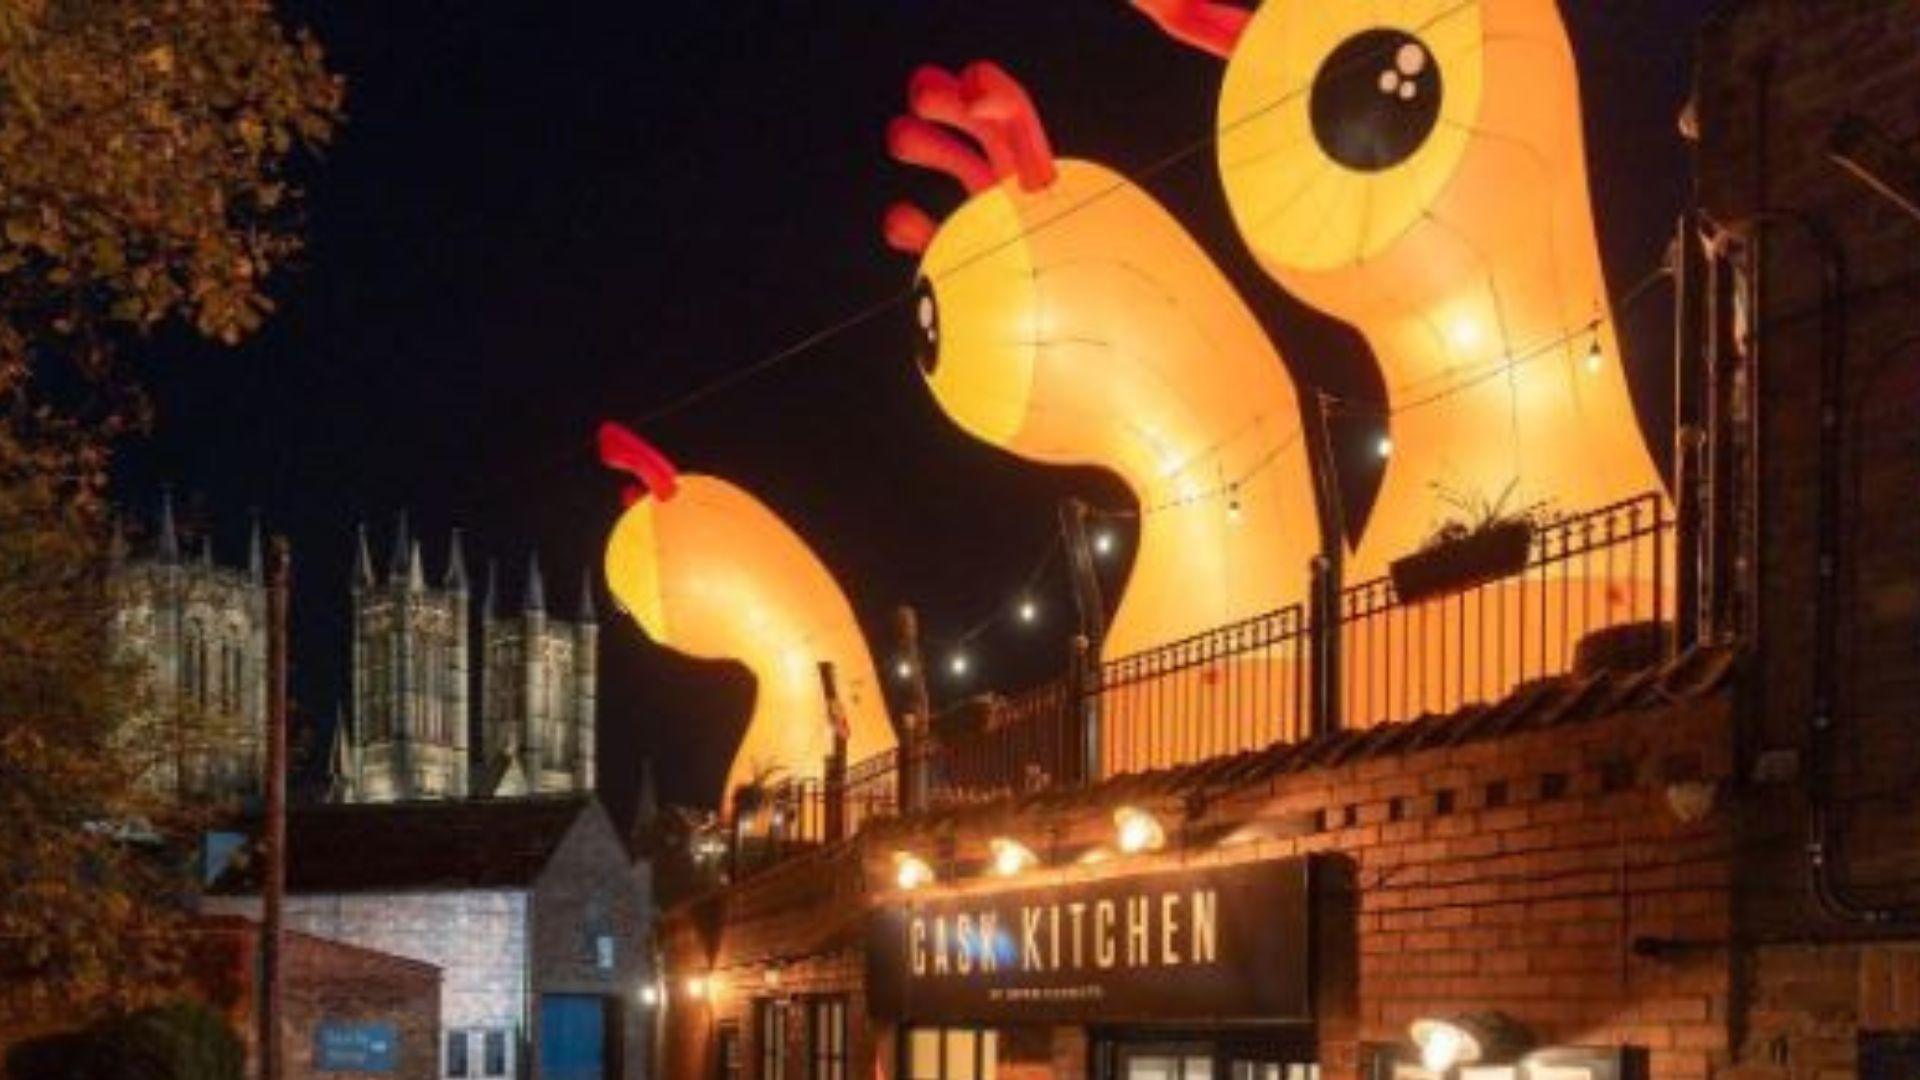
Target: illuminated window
{"x": 732, "y": 1067}
{"x": 827, "y": 1039}
{"x": 952, "y": 1054}
{"x": 771, "y": 1021}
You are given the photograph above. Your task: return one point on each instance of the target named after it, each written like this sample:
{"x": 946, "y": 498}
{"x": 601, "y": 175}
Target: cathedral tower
{"x": 539, "y": 707}
{"x": 406, "y": 737}
{"x": 197, "y": 632}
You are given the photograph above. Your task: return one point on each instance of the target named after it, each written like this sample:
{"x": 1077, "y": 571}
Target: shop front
{"x": 1191, "y": 973}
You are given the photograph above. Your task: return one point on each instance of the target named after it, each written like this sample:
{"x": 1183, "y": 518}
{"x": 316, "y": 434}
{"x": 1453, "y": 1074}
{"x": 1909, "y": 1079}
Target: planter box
{"x": 1458, "y": 565}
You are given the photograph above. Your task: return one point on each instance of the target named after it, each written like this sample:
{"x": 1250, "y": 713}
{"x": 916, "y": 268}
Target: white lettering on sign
{"x": 1169, "y": 929}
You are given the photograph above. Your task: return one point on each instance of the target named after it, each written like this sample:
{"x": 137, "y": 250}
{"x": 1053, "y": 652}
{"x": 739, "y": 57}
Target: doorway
{"x": 573, "y": 1037}
{"x": 1207, "y": 1057}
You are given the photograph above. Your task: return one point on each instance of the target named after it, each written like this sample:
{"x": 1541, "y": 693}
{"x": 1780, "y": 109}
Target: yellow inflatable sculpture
{"x": 708, "y": 570}
{"x": 1065, "y": 317}
{"x": 1417, "y": 169}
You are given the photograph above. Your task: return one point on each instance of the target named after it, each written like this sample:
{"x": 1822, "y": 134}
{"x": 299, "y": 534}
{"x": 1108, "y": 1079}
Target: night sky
{"x": 539, "y": 215}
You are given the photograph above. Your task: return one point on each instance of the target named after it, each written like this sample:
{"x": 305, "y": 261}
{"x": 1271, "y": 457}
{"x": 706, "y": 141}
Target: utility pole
{"x": 917, "y": 721}
{"x": 1087, "y": 601}
{"x": 274, "y": 886}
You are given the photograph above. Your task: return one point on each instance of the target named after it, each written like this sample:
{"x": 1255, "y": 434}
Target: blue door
{"x": 573, "y": 1037}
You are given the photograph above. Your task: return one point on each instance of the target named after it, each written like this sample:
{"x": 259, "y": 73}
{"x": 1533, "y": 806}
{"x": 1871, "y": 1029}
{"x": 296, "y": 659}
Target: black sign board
{"x": 1221, "y": 943}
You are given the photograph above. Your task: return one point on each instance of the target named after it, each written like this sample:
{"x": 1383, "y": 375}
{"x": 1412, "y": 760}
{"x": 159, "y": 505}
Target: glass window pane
{"x": 1198, "y": 1068}
{"x": 961, "y": 1046}
{"x": 989, "y": 1055}
{"x": 1152, "y": 1067}
{"x": 496, "y": 1053}
{"x": 456, "y": 1053}
{"x": 923, "y": 1054}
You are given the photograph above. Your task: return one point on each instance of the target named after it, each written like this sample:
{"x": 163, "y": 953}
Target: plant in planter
{"x": 1482, "y": 540}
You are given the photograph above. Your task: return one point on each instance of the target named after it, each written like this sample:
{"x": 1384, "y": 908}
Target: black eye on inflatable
{"x": 1376, "y": 99}
{"x": 926, "y": 327}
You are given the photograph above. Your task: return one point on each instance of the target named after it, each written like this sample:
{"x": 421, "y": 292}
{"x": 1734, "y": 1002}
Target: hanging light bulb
{"x": 1028, "y": 611}
{"x": 1384, "y": 447}
{"x": 959, "y": 664}
{"x": 1233, "y": 504}
{"x": 1103, "y": 542}
{"x": 1595, "y": 358}
{"x": 903, "y": 670}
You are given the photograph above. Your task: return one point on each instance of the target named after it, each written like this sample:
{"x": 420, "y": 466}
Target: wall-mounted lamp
{"x": 1138, "y": 831}
{"x": 649, "y": 996}
{"x": 910, "y": 871}
{"x": 1467, "y": 1039}
{"x": 698, "y": 987}
{"x": 1010, "y": 856}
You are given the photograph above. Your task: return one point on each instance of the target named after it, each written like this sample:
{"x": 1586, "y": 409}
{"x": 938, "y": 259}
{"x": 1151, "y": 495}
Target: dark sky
{"x": 543, "y": 214}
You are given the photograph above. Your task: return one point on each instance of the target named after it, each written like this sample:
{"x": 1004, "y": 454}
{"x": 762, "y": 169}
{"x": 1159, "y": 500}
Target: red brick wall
{"x": 1559, "y": 850}
{"x": 1773, "y": 78}
{"x": 325, "y": 980}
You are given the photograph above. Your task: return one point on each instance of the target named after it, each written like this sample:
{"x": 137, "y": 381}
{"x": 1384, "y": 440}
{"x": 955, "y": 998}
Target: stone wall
{"x": 589, "y": 890}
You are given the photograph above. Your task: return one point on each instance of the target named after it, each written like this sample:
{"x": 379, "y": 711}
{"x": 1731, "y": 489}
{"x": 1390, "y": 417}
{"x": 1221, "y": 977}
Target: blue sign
{"x": 352, "y": 1047}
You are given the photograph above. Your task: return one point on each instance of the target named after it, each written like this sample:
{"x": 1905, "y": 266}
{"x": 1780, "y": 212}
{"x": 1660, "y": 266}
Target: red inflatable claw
{"x": 995, "y": 96}
{"x": 907, "y": 228}
{"x": 917, "y": 142}
{"x": 1205, "y": 25}
{"x": 936, "y": 95}
{"x": 623, "y": 450}
{"x": 979, "y": 127}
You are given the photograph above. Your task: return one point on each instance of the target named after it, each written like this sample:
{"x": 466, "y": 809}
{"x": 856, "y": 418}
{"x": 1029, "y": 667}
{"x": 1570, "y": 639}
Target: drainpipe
{"x": 1826, "y": 870}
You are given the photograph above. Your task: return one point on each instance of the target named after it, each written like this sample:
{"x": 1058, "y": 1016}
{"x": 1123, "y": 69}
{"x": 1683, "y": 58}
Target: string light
{"x": 1384, "y": 447}
{"x": 959, "y": 664}
{"x": 1103, "y": 543}
{"x": 903, "y": 670}
{"x": 1028, "y": 611}
{"x": 1594, "y": 356}
{"x": 1233, "y": 504}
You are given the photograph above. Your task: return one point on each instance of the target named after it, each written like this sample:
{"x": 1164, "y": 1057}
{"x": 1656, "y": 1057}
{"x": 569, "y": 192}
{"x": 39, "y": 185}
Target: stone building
{"x": 530, "y": 908}
{"x": 197, "y": 632}
{"x": 414, "y": 731}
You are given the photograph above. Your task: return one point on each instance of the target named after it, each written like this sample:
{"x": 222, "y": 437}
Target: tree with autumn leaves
{"x": 145, "y": 157}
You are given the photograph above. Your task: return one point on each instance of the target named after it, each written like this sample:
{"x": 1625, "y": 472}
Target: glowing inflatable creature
{"x": 1065, "y": 317}
{"x": 1417, "y": 169}
{"x": 708, "y": 570}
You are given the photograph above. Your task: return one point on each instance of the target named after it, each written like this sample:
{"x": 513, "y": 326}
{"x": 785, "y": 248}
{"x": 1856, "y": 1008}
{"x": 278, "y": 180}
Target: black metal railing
{"x": 1604, "y": 570}
{"x": 1594, "y": 589}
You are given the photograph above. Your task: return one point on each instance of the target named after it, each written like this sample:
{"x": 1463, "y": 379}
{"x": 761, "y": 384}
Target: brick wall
{"x": 326, "y": 981}
{"x": 1773, "y": 78}
{"x": 1514, "y": 874}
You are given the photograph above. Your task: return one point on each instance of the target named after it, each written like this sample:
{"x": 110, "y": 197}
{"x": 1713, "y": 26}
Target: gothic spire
{"x": 363, "y": 570}
{"x": 487, "y": 603}
{"x": 340, "y": 757}
{"x": 587, "y": 614}
{"x": 416, "y": 570}
{"x": 169, "y": 536}
{"x": 536, "y": 588}
{"x": 456, "y": 565}
{"x": 397, "y": 562}
{"x": 256, "y": 563}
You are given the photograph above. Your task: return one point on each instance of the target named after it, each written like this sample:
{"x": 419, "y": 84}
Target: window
{"x": 771, "y": 1031}
{"x": 827, "y": 1039}
{"x": 727, "y": 1056}
{"x": 952, "y": 1054}
{"x": 457, "y": 1054}
{"x": 496, "y": 1053}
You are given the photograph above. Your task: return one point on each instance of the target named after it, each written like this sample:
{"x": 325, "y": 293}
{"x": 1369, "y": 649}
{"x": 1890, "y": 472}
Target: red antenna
{"x": 623, "y": 450}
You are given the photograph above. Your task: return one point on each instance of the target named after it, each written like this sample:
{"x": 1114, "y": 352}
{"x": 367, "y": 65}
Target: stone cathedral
{"x": 197, "y": 634}
{"x": 411, "y": 730}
